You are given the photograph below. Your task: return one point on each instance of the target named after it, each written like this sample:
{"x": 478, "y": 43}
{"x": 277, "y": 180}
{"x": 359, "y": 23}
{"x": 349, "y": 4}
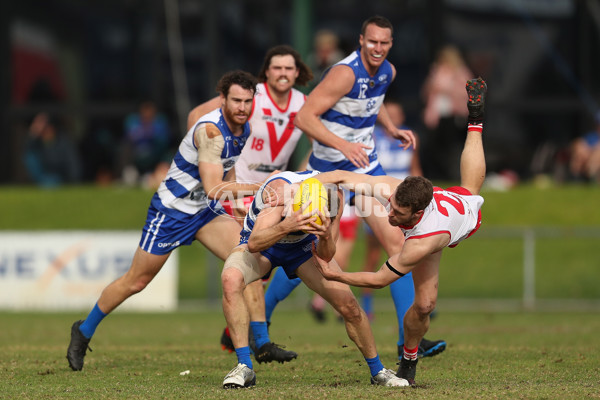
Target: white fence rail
{"x": 530, "y": 236}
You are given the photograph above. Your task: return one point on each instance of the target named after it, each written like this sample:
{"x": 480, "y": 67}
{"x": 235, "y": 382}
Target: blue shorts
{"x": 163, "y": 233}
{"x": 288, "y": 256}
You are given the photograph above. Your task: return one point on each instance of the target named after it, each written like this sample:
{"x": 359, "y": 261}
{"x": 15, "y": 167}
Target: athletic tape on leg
{"x": 245, "y": 262}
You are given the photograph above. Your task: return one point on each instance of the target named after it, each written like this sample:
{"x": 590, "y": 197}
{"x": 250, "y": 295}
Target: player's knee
{"x": 240, "y": 269}
{"x": 424, "y": 307}
{"x": 232, "y": 280}
{"x": 139, "y": 284}
{"x": 349, "y": 309}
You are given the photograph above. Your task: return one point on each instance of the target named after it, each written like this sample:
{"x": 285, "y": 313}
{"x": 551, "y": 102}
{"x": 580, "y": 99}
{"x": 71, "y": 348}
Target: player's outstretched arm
{"x": 333, "y": 272}
{"x": 380, "y": 187}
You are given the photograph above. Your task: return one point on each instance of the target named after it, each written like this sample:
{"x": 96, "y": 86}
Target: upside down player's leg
{"x": 472, "y": 160}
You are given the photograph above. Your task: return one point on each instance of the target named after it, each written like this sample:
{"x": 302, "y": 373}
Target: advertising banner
{"x": 67, "y": 270}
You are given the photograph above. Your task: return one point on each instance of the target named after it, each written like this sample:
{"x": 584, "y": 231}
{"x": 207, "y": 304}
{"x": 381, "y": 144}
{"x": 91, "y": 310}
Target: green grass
{"x": 91, "y": 207}
{"x": 140, "y": 356}
{"x": 526, "y": 205}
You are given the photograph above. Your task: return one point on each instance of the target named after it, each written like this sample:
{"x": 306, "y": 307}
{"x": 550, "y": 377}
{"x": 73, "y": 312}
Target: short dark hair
{"x": 415, "y": 192}
{"x": 305, "y": 74}
{"x": 241, "y": 78}
{"x": 378, "y": 20}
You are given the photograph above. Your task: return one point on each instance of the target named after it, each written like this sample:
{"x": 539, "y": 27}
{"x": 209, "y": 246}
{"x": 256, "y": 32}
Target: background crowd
{"x": 114, "y": 114}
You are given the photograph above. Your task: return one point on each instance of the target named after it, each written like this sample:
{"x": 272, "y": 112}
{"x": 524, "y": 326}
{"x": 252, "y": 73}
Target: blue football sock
{"x": 243, "y": 356}
{"x": 88, "y": 327}
{"x": 375, "y": 364}
{"x": 403, "y": 294}
{"x": 260, "y": 332}
{"x": 279, "y": 288}
{"x": 367, "y": 303}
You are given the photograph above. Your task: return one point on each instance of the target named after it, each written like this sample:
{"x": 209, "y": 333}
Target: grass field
{"x": 140, "y": 356}
{"x": 91, "y": 207}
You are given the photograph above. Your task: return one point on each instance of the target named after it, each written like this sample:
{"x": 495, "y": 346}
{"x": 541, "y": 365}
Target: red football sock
{"x": 410, "y": 354}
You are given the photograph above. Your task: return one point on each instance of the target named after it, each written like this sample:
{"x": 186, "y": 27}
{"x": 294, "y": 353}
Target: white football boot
{"x": 387, "y": 377}
{"x": 240, "y": 377}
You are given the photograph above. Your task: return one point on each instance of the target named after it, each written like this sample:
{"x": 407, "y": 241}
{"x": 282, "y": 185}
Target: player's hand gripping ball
{"x": 312, "y": 190}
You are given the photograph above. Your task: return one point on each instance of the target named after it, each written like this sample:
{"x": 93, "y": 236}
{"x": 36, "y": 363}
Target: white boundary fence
{"x": 529, "y": 302}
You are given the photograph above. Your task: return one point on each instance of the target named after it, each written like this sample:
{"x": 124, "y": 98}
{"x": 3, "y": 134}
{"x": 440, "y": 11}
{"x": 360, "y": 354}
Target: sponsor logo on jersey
{"x": 371, "y": 104}
{"x": 265, "y": 168}
{"x": 278, "y": 121}
{"x": 198, "y": 195}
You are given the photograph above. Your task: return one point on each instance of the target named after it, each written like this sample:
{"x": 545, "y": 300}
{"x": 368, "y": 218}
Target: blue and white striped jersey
{"x": 181, "y": 193}
{"x": 353, "y": 117}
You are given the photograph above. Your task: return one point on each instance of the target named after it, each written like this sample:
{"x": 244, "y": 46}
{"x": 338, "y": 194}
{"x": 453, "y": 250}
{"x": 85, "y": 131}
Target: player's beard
{"x": 235, "y": 117}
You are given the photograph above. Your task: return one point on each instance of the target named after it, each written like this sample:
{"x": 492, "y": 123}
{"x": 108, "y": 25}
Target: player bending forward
{"x": 430, "y": 218}
{"x": 268, "y": 241}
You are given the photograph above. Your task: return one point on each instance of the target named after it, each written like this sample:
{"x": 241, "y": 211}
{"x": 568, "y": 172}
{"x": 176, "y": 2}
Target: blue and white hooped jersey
{"x": 181, "y": 193}
{"x": 353, "y": 117}
{"x": 258, "y": 205}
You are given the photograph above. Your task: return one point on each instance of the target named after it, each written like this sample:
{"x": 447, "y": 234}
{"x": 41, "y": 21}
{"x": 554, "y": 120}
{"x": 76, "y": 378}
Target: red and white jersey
{"x": 273, "y": 139}
{"x": 454, "y": 211}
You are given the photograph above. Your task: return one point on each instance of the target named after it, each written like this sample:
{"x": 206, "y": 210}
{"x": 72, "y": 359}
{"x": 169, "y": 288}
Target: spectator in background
{"x": 147, "y": 140}
{"x": 326, "y": 52}
{"x": 445, "y": 113}
{"x": 51, "y": 158}
{"x": 585, "y": 155}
